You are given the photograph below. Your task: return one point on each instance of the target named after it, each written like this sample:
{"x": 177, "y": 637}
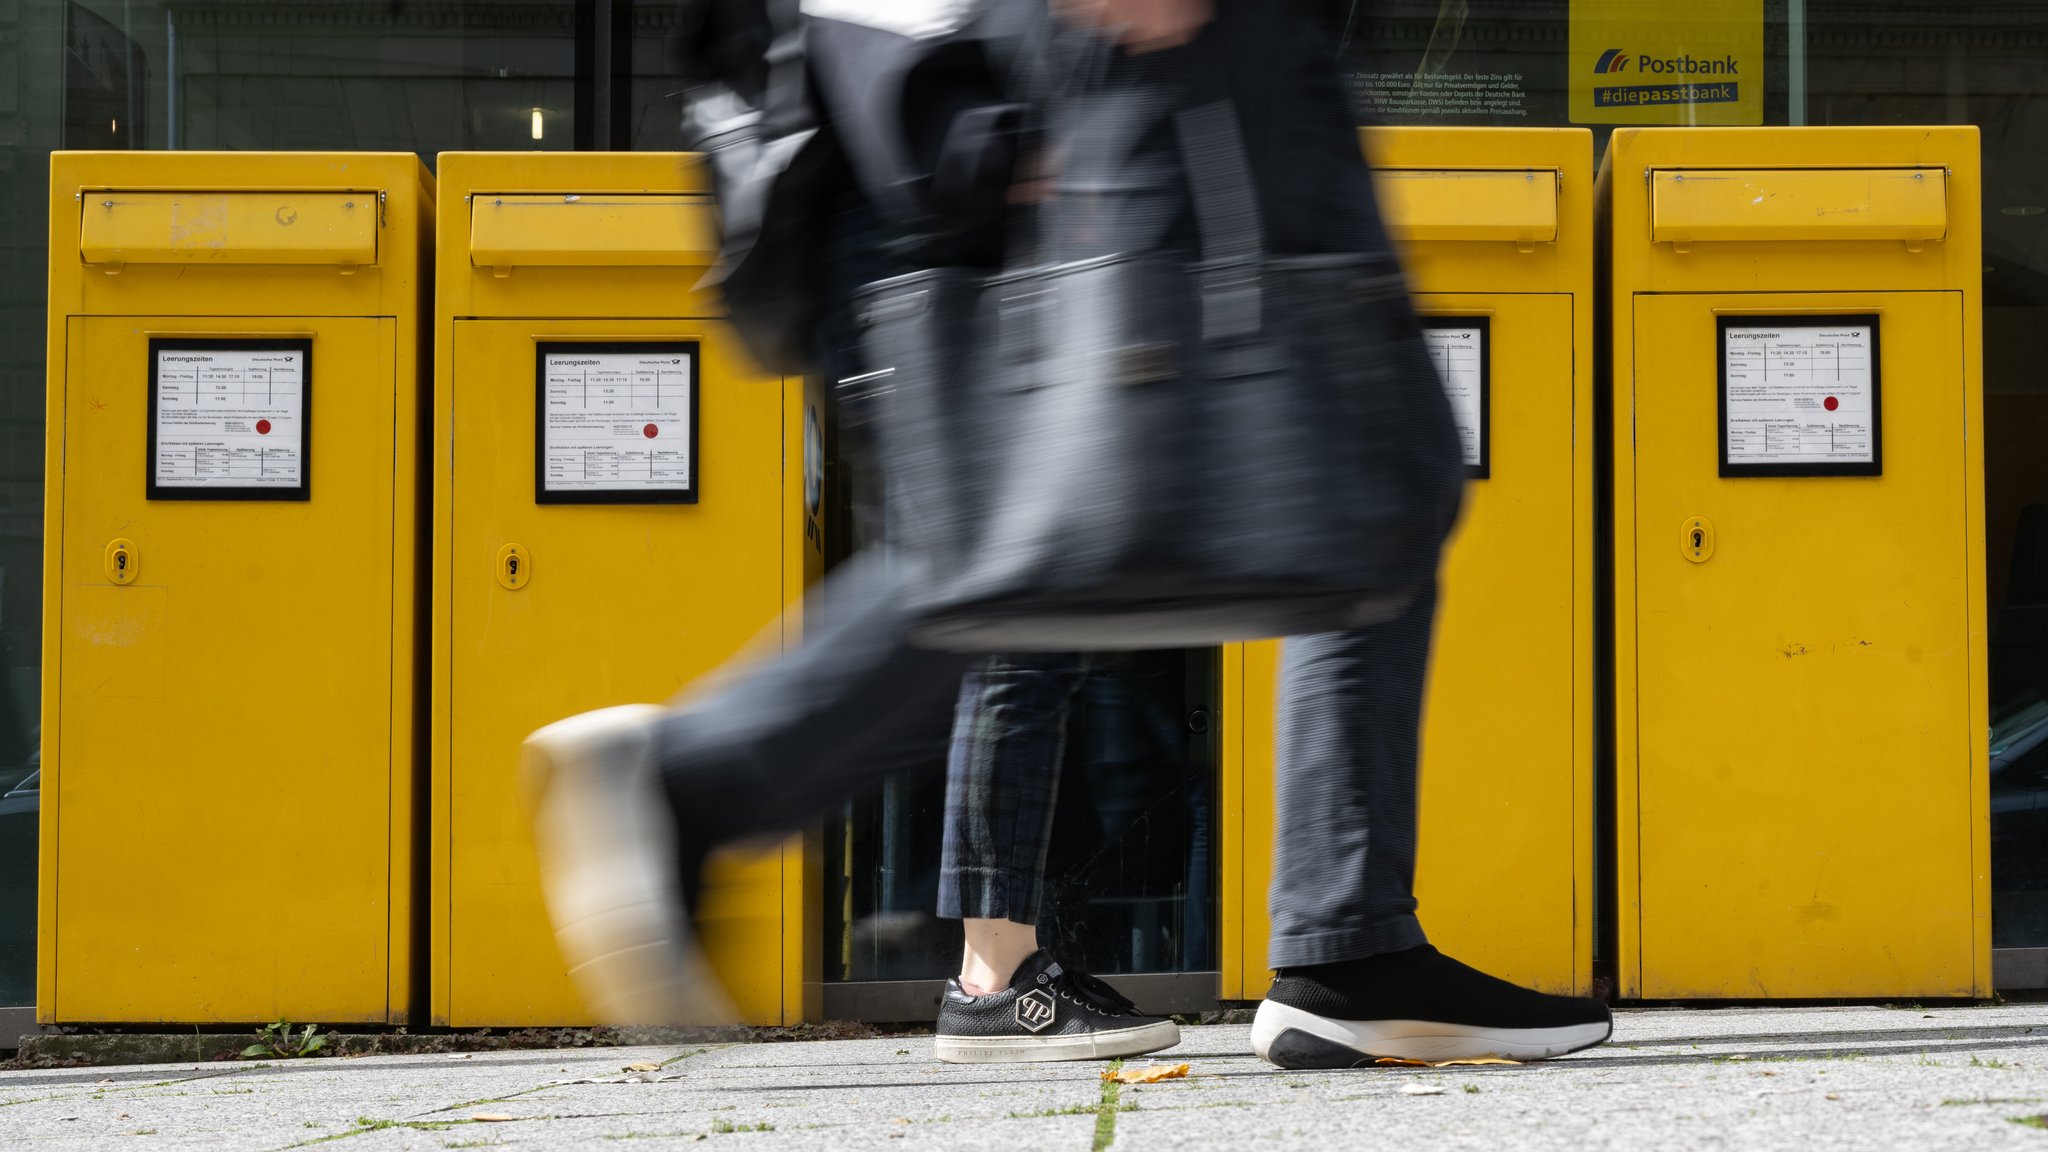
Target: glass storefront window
{"x": 1130, "y": 871}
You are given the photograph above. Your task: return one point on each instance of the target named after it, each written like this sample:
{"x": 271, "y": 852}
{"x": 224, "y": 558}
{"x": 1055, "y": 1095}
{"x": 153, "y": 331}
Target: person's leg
{"x": 1012, "y": 1001}
{"x": 1002, "y": 778}
{"x": 1357, "y": 979}
{"x": 761, "y": 748}
{"x": 1344, "y": 852}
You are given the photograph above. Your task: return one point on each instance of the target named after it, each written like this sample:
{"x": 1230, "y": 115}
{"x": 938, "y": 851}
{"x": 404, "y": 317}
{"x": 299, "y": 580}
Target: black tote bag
{"x": 1135, "y": 451}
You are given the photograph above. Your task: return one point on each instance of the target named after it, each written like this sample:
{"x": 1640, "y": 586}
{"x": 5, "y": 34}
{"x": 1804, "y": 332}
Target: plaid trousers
{"x": 1002, "y": 779}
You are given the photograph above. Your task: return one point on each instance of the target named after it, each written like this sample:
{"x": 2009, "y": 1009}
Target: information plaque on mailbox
{"x": 616, "y": 423}
{"x": 228, "y": 419}
{"x": 1460, "y": 347}
{"x": 1799, "y": 396}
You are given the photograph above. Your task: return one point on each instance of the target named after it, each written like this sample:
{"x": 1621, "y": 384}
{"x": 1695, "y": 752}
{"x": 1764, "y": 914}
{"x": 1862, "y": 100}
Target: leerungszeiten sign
{"x": 228, "y": 419}
{"x": 1800, "y": 396}
{"x": 616, "y": 423}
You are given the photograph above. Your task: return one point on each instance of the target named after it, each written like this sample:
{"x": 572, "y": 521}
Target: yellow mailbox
{"x": 1801, "y": 776}
{"x": 1495, "y": 227}
{"x": 229, "y": 582}
{"x": 619, "y": 506}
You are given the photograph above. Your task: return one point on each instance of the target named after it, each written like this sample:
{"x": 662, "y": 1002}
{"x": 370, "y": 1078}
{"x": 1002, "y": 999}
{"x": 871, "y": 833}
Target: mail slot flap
{"x": 1470, "y": 204}
{"x": 1908, "y": 204}
{"x": 607, "y": 229}
{"x": 128, "y": 227}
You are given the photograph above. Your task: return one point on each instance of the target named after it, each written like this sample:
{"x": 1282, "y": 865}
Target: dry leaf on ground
{"x": 642, "y": 1066}
{"x": 1151, "y": 1074}
{"x": 492, "y": 1117}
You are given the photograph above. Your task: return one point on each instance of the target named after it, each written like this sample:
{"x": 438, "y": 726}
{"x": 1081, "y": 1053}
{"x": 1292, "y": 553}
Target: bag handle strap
{"x": 1219, "y": 176}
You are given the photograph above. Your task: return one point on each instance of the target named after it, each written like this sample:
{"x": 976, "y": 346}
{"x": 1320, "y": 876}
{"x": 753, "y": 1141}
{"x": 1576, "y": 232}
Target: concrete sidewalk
{"x": 1739, "y": 1079}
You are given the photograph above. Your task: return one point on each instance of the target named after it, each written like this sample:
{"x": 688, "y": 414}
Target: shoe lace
{"x": 1089, "y": 991}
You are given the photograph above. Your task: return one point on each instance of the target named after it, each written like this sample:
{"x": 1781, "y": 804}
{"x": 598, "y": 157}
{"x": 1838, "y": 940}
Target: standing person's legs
{"x": 1002, "y": 780}
{"x": 1012, "y": 1001}
{"x": 1357, "y": 979}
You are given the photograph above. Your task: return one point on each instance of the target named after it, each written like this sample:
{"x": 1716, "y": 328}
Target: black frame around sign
{"x": 1873, "y": 467}
{"x": 301, "y": 344}
{"x": 1484, "y": 324}
{"x": 545, "y": 348}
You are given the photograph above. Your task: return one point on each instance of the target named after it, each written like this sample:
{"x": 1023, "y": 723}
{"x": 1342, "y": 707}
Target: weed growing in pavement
{"x": 725, "y": 1126}
{"x": 2029, "y": 1121}
{"x": 1472, "y": 1089}
{"x": 1978, "y": 1062}
{"x": 276, "y": 1040}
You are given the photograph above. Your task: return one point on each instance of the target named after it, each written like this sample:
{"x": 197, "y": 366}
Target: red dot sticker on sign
{"x": 651, "y": 431}
{"x": 1831, "y": 403}
{"x": 263, "y": 427}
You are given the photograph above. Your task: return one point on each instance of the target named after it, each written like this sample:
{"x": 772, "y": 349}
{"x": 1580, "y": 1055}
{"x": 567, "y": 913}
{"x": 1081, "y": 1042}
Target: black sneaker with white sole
{"x": 1417, "y": 1004}
{"x": 1049, "y": 1012}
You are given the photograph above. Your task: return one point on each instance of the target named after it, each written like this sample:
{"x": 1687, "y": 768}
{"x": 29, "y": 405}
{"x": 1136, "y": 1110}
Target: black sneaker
{"x": 618, "y": 872}
{"x": 1047, "y": 1013}
{"x": 1418, "y": 1004}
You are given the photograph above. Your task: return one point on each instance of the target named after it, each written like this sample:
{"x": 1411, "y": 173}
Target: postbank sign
{"x": 1701, "y": 62}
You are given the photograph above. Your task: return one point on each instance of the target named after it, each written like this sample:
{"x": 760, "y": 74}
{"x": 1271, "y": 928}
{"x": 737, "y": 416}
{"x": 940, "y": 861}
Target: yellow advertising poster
{"x": 1643, "y": 62}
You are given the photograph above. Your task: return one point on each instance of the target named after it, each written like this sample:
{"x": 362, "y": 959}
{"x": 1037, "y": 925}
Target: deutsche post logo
{"x": 1034, "y": 1010}
{"x": 1612, "y": 60}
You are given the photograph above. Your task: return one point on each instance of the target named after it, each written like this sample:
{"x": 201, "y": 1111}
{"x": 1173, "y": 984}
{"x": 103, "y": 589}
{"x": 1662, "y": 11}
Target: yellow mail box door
{"x": 618, "y": 603}
{"x": 1803, "y": 677}
{"x": 224, "y": 806}
{"x": 1494, "y": 872}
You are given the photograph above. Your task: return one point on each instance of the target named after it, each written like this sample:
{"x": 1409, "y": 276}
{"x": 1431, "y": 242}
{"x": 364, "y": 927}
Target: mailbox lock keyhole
{"x": 122, "y": 561}
{"x": 515, "y": 567}
{"x": 1696, "y": 539}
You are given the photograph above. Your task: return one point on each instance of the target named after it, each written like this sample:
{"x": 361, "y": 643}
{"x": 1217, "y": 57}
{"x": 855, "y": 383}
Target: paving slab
{"x": 1806, "y": 1079}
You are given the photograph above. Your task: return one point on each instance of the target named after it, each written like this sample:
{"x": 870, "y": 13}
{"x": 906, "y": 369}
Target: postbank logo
{"x": 1697, "y": 63}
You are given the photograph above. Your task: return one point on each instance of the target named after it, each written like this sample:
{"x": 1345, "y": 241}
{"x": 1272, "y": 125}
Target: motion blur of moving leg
{"x": 1013, "y": 1000}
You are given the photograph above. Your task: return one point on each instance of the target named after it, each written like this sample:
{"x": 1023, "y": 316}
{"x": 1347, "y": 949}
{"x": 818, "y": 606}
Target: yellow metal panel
{"x": 237, "y": 695}
{"x": 1469, "y": 204}
{"x": 284, "y": 227}
{"x": 619, "y": 631}
{"x": 188, "y": 712}
{"x": 1933, "y": 285}
{"x": 1909, "y": 204}
{"x": 1819, "y": 845}
{"x": 625, "y": 603}
{"x": 510, "y": 230}
{"x": 1498, "y": 875}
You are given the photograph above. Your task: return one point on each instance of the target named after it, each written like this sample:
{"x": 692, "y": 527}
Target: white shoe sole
{"x": 607, "y": 845}
{"x": 1293, "y": 1038}
{"x": 1031, "y": 1049}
